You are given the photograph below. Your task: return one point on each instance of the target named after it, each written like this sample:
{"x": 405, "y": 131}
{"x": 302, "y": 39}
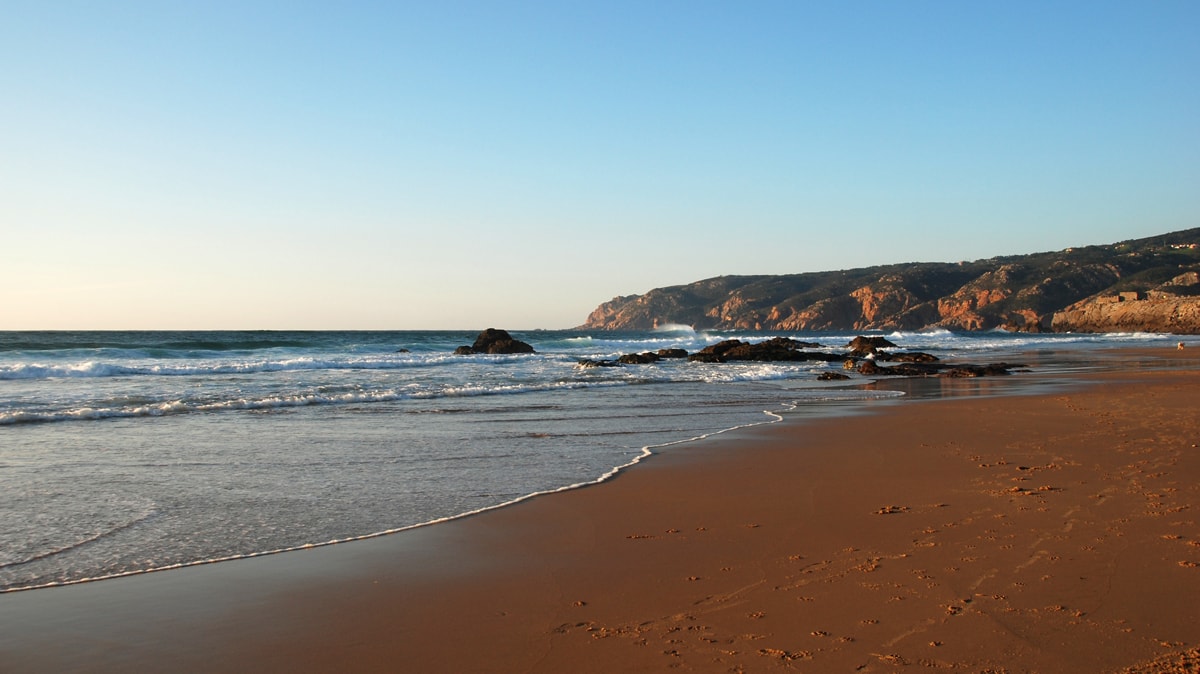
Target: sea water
{"x": 127, "y": 452}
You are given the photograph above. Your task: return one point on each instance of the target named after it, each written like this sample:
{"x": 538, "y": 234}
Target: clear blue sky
{"x": 513, "y": 164}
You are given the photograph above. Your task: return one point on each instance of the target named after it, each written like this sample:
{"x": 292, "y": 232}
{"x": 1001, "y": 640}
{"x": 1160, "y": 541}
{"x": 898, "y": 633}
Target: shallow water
{"x": 127, "y": 452}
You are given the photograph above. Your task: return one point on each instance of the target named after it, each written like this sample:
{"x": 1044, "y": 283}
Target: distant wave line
{"x": 96, "y": 369}
{"x": 175, "y": 407}
{"x": 700, "y": 374}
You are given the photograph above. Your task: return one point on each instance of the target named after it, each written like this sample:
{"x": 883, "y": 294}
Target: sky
{"x": 460, "y": 165}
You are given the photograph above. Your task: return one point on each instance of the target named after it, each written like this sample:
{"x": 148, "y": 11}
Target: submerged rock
{"x": 588, "y": 363}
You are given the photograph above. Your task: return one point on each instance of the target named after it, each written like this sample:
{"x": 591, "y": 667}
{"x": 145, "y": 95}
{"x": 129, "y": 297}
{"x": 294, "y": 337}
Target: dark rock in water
{"x": 832, "y": 376}
{"x": 861, "y": 345}
{"x": 763, "y": 352}
{"x": 775, "y": 349}
{"x": 716, "y": 350}
{"x": 907, "y": 357}
{"x": 494, "y": 341}
{"x": 403, "y": 351}
{"x": 866, "y": 356}
{"x": 638, "y": 359}
{"x": 715, "y": 353}
{"x": 789, "y": 343}
{"x": 588, "y": 363}
{"x": 914, "y": 369}
{"x": 672, "y": 353}
{"x": 990, "y": 370}
{"x": 870, "y": 368}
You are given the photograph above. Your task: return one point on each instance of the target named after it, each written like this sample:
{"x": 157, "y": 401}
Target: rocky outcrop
{"x": 1179, "y": 315}
{"x": 861, "y": 346}
{"x": 1184, "y": 285}
{"x": 638, "y": 358}
{"x": 776, "y": 349}
{"x": 1172, "y": 306}
{"x": 494, "y": 341}
{"x": 872, "y": 369}
{"x": 965, "y": 308}
{"x": 883, "y": 303}
{"x": 864, "y": 355}
{"x": 1020, "y": 293}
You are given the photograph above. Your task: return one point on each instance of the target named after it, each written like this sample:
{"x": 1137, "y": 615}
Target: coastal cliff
{"x": 1150, "y": 285}
{"x": 1171, "y": 307}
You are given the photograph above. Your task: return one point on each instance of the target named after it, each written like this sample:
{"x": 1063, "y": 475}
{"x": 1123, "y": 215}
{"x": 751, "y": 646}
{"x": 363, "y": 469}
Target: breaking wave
{"x": 90, "y": 369}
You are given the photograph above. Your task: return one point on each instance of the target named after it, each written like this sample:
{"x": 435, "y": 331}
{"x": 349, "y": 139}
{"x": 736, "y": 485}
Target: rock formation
{"x": 1173, "y": 306}
{"x": 494, "y": 341}
{"x": 1042, "y": 291}
{"x": 863, "y": 355}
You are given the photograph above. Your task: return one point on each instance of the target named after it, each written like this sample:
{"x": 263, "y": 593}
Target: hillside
{"x": 1150, "y": 284}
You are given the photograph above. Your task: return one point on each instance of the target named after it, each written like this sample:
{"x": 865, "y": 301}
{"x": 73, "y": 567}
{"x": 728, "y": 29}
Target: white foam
{"x": 940, "y": 333}
{"x": 645, "y": 452}
{"x": 179, "y": 406}
{"x": 89, "y": 369}
{"x": 675, "y": 327}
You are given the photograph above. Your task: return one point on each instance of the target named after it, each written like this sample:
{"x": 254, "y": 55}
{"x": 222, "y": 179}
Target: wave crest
{"x": 89, "y": 369}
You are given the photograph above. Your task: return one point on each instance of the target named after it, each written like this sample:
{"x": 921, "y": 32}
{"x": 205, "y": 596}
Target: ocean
{"x": 130, "y": 452}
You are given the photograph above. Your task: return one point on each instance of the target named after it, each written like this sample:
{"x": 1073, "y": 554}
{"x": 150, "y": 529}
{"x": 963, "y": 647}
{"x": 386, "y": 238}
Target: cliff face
{"x": 1180, "y": 316}
{"x": 1063, "y": 291}
{"x": 1171, "y": 307}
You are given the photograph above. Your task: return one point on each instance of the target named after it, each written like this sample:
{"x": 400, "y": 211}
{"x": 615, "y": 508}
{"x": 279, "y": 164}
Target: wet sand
{"x": 1043, "y": 533}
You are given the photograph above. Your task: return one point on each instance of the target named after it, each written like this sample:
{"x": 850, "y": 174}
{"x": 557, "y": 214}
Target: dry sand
{"x": 1046, "y": 533}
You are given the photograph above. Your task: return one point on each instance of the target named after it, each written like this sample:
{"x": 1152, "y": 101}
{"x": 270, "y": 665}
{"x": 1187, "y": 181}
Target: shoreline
{"x": 645, "y": 453}
{"x": 732, "y": 551}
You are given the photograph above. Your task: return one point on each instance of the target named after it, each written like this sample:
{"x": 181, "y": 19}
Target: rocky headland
{"x": 1171, "y": 307}
{"x": 1150, "y": 285}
